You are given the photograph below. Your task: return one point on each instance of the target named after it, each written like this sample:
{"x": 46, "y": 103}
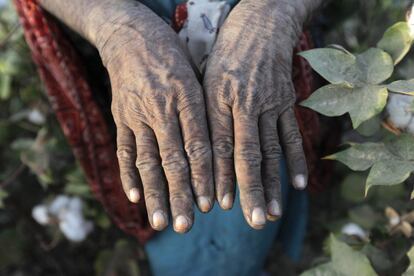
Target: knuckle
{"x": 152, "y": 194}
{"x": 271, "y": 182}
{"x": 294, "y": 139}
{"x": 223, "y": 147}
{"x": 252, "y": 191}
{"x": 191, "y": 99}
{"x": 175, "y": 162}
{"x": 125, "y": 153}
{"x": 146, "y": 161}
{"x": 198, "y": 151}
{"x": 179, "y": 197}
{"x": 271, "y": 151}
{"x": 128, "y": 177}
{"x": 250, "y": 155}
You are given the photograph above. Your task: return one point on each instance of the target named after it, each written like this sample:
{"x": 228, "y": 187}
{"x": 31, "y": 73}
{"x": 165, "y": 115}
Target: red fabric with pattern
{"x": 79, "y": 116}
{"x": 83, "y": 123}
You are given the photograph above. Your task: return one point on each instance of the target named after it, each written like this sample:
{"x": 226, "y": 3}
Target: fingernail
{"x": 181, "y": 224}
{"x": 158, "y": 219}
{"x": 300, "y": 182}
{"x": 204, "y": 204}
{"x": 273, "y": 208}
{"x": 258, "y": 217}
{"x": 227, "y": 201}
{"x": 134, "y": 195}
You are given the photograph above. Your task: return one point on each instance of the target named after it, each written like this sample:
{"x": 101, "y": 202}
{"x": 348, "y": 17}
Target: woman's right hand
{"x": 159, "y": 111}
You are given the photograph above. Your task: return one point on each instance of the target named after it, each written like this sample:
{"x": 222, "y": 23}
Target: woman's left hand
{"x": 250, "y": 99}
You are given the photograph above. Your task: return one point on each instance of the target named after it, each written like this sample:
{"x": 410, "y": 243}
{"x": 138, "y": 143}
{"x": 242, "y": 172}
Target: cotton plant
{"x": 66, "y": 212}
{"x": 400, "y": 108}
{"x": 358, "y": 86}
{"x": 353, "y": 229}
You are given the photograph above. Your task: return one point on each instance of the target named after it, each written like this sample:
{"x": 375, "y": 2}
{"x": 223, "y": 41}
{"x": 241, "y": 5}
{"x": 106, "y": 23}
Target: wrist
{"x": 270, "y": 15}
{"x": 128, "y": 24}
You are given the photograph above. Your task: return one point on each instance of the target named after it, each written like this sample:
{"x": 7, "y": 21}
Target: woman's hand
{"x": 159, "y": 111}
{"x": 158, "y": 105}
{"x": 250, "y": 99}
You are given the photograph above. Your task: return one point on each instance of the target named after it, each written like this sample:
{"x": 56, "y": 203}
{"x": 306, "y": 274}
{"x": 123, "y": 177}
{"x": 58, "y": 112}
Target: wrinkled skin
{"x": 163, "y": 142}
{"x": 250, "y": 99}
{"x": 158, "y": 107}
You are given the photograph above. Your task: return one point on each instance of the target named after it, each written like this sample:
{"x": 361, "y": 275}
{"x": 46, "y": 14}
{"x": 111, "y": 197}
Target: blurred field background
{"x": 38, "y": 168}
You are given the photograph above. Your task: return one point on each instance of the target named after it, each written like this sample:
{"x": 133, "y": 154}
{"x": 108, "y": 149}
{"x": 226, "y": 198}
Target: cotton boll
{"x": 58, "y": 204}
{"x": 41, "y": 214}
{"x": 74, "y": 226}
{"x": 353, "y": 229}
{"x": 398, "y": 109}
{"x": 410, "y": 19}
{"x": 75, "y": 205}
{"x": 67, "y": 212}
{"x": 410, "y": 127}
{"x": 36, "y": 117}
{"x": 394, "y": 221}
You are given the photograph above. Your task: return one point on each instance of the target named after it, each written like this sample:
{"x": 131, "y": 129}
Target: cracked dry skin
{"x": 250, "y": 98}
{"x": 158, "y": 105}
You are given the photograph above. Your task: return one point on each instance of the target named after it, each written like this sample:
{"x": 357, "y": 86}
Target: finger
{"x": 221, "y": 131}
{"x": 176, "y": 170}
{"x": 291, "y": 141}
{"x": 127, "y": 154}
{"x": 271, "y": 153}
{"x": 149, "y": 166}
{"x": 248, "y": 157}
{"x": 197, "y": 146}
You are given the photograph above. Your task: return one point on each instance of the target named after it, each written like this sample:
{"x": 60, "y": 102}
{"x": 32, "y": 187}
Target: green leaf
{"x": 402, "y": 87}
{"x": 119, "y": 261}
{"x": 5, "y": 86}
{"x": 361, "y": 157}
{"x": 364, "y": 216}
{"x": 77, "y": 184}
{"x": 389, "y": 172}
{"x": 102, "y": 261}
{"x": 361, "y": 103}
{"x": 340, "y": 67}
{"x": 370, "y": 127}
{"x": 13, "y": 248}
{"x": 336, "y": 66}
{"x": 352, "y": 188}
{"x": 391, "y": 162}
{"x": 397, "y": 41}
{"x": 345, "y": 261}
{"x": 102, "y": 220}
{"x": 3, "y": 195}
{"x": 379, "y": 259}
{"x": 374, "y": 66}
{"x": 403, "y": 147}
{"x": 339, "y": 47}
{"x": 327, "y": 269}
{"x": 9, "y": 63}
{"x": 349, "y": 261}
{"x": 410, "y": 269}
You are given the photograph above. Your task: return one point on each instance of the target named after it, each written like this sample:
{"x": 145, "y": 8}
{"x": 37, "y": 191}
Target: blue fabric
{"x": 222, "y": 243}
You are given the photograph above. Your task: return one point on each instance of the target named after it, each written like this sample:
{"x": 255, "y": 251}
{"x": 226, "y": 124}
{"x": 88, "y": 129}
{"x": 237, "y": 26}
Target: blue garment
{"x": 221, "y": 242}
